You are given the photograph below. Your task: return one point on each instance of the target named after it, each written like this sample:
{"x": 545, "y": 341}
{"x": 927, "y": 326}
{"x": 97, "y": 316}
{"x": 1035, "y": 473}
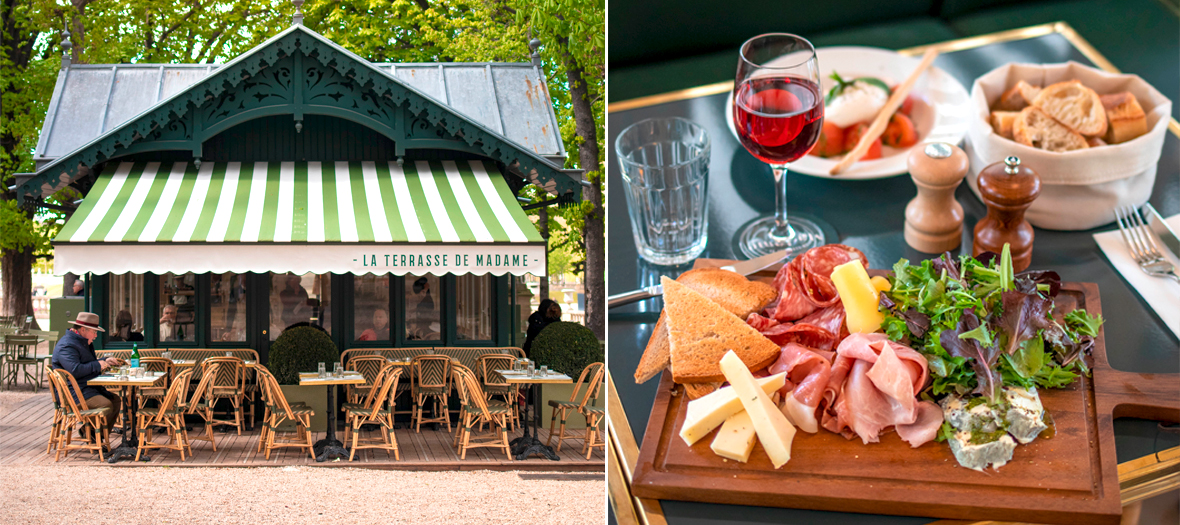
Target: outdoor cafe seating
{"x": 19, "y": 354}
{"x": 376, "y": 409}
{"x": 278, "y": 412}
{"x": 90, "y": 421}
{"x": 168, "y": 416}
{"x": 590, "y": 378}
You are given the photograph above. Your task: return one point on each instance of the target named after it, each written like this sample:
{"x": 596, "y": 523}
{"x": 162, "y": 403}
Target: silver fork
{"x": 1142, "y": 245}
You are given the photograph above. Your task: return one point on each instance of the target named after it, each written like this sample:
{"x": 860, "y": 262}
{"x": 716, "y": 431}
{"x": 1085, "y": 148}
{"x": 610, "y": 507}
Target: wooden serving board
{"x": 1071, "y": 478}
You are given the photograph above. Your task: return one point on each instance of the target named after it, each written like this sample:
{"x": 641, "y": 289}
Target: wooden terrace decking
{"x": 24, "y": 431}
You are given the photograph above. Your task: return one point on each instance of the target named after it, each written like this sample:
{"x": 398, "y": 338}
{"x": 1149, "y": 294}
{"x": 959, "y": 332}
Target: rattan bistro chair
{"x": 156, "y": 393}
{"x": 378, "y": 410}
{"x": 91, "y": 420}
{"x": 594, "y": 414}
{"x": 228, "y": 384}
{"x": 562, "y": 409}
{"x": 476, "y": 413}
{"x": 494, "y": 383}
{"x": 432, "y": 375}
{"x": 369, "y": 366}
{"x": 59, "y": 412}
{"x": 201, "y": 404}
{"x": 167, "y": 416}
{"x": 280, "y": 411}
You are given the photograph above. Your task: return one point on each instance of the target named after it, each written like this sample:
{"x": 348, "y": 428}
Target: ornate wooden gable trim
{"x": 299, "y": 72}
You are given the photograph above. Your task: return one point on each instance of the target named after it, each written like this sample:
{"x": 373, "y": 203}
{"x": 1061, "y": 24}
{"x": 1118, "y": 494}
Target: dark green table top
{"x": 870, "y": 215}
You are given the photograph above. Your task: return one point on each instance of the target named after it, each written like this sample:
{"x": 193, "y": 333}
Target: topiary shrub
{"x": 300, "y": 349}
{"x": 567, "y": 348}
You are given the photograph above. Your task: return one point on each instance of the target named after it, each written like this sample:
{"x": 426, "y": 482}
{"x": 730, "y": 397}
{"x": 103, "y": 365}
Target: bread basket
{"x": 1079, "y": 189}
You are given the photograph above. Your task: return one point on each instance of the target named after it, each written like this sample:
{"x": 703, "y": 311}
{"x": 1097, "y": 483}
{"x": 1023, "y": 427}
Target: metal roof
{"x": 507, "y": 98}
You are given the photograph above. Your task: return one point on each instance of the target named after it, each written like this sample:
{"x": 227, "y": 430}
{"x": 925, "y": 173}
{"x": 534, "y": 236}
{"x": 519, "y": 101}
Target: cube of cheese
{"x": 735, "y": 440}
{"x": 774, "y": 431}
{"x": 706, "y": 413}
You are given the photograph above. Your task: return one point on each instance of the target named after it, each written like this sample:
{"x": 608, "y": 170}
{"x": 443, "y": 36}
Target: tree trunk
{"x": 594, "y": 228}
{"x": 16, "y": 272}
{"x": 543, "y": 215}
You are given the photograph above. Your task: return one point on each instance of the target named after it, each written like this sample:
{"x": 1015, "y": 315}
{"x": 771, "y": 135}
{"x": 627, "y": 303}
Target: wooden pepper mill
{"x": 1007, "y": 189}
{"x": 934, "y": 219}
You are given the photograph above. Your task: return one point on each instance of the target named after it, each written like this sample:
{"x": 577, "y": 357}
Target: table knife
{"x": 1162, "y": 230}
{"x": 744, "y": 268}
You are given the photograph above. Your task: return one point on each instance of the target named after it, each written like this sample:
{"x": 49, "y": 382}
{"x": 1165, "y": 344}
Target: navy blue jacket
{"x": 74, "y": 355}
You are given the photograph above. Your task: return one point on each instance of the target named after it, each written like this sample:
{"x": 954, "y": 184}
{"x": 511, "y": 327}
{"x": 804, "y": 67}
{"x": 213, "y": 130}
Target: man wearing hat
{"x": 75, "y": 354}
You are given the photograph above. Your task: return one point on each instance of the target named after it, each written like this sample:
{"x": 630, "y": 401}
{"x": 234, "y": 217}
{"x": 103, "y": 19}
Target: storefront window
{"x": 125, "y": 308}
{"x": 299, "y": 300}
{"x": 422, "y": 308}
{"x": 473, "y": 307}
{"x": 227, "y": 307}
{"x": 178, "y": 307}
{"x": 371, "y": 307}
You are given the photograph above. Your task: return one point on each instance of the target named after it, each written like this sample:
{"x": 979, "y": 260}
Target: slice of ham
{"x": 925, "y": 428}
{"x": 882, "y": 380}
{"x": 807, "y": 373}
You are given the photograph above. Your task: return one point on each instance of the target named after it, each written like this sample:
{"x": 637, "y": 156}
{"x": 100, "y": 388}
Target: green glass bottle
{"x": 135, "y": 356}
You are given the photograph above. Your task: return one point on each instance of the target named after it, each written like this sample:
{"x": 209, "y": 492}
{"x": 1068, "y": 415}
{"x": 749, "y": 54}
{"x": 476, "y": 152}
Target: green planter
{"x": 315, "y": 397}
{"x": 573, "y": 421}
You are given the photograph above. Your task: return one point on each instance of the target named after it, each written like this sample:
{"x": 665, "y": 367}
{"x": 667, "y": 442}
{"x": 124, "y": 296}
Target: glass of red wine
{"x": 778, "y": 112}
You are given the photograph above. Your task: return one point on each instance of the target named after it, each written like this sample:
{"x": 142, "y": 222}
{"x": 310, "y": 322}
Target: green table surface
{"x": 869, "y": 215}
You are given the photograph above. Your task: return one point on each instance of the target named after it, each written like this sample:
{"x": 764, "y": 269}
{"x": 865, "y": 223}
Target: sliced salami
{"x": 760, "y": 322}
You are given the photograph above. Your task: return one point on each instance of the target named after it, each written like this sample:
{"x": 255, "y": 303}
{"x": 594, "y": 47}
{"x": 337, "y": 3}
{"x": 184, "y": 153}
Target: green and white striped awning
{"x": 344, "y": 217}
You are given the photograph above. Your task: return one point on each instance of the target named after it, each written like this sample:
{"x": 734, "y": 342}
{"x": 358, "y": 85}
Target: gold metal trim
{"x": 1139, "y": 479}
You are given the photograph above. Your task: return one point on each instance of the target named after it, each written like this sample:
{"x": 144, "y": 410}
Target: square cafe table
{"x": 526, "y": 445}
{"x": 128, "y": 386}
{"x": 330, "y": 446}
{"x": 868, "y": 215}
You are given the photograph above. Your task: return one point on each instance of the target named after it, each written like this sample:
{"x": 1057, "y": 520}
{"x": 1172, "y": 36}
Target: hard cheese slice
{"x": 735, "y": 440}
{"x": 704, "y": 414}
{"x": 772, "y": 427}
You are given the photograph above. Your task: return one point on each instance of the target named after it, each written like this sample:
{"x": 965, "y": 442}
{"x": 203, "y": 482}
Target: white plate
{"x": 941, "y": 107}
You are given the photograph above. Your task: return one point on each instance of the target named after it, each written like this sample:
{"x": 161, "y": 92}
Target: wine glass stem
{"x": 782, "y": 229}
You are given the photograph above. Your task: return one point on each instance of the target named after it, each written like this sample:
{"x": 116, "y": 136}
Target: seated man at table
{"x": 75, "y": 354}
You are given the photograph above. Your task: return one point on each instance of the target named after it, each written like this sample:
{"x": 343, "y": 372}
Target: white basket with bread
{"x": 1093, "y": 137}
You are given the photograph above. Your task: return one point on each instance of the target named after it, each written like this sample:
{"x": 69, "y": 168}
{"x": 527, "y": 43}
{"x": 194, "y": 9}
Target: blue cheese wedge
{"x": 970, "y": 415}
{"x": 1026, "y": 415}
{"x": 978, "y": 455}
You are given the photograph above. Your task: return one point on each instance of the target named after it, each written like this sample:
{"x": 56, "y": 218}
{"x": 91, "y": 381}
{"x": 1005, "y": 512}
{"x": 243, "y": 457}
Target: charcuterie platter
{"x": 1069, "y": 475}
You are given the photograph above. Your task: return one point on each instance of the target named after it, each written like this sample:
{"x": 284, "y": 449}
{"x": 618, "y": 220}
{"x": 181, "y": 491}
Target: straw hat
{"x": 88, "y": 320}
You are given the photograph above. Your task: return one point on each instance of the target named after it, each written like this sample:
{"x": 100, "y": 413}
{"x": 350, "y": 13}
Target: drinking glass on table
{"x": 338, "y": 370}
{"x": 778, "y": 111}
{"x": 323, "y": 371}
{"x": 665, "y": 169}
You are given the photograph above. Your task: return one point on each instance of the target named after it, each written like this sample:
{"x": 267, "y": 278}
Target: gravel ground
{"x": 57, "y": 494}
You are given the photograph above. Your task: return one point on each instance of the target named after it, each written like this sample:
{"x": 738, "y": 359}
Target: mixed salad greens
{"x": 982, "y": 327}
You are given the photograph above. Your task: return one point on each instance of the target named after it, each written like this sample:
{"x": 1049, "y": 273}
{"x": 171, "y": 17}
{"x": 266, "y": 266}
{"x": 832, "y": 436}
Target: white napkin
{"x": 1161, "y": 293}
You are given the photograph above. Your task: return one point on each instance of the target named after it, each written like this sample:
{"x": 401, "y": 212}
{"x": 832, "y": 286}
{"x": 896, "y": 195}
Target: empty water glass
{"x": 338, "y": 370}
{"x": 323, "y": 371}
{"x": 665, "y": 168}
{"x": 229, "y": 354}
{"x": 544, "y": 370}
{"x": 532, "y": 369}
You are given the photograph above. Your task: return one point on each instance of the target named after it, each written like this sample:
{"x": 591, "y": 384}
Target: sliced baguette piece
{"x": 1002, "y": 122}
{"x": 700, "y": 332}
{"x": 1074, "y": 105}
{"x": 735, "y": 293}
{"x": 1019, "y": 97}
{"x": 699, "y": 390}
{"x": 1126, "y": 116}
{"x": 1036, "y": 128}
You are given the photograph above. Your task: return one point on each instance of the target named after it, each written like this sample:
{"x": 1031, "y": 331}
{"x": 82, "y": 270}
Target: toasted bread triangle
{"x": 735, "y": 293}
{"x": 700, "y": 332}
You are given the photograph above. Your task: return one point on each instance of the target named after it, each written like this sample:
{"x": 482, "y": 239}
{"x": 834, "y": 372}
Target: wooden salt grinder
{"x": 934, "y": 219}
{"x": 1007, "y": 189}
